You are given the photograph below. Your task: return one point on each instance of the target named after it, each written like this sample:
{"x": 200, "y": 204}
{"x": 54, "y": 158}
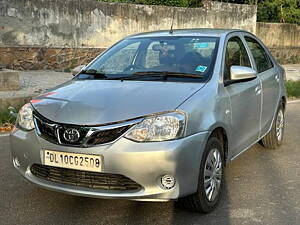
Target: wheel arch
{"x": 221, "y": 134}
{"x": 284, "y": 102}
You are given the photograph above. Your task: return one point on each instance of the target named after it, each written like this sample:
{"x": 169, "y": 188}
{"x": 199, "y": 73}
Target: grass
{"x": 5, "y": 117}
{"x": 293, "y": 89}
{"x": 7, "y": 120}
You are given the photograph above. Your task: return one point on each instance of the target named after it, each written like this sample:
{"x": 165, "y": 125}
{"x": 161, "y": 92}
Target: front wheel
{"x": 210, "y": 180}
{"x": 274, "y": 138}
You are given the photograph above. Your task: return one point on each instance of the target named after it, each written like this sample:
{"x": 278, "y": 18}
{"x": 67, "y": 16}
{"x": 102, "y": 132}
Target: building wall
{"x": 279, "y": 34}
{"x": 55, "y": 34}
{"x": 76, "y": 23}
{"x": 44, "y": 58}
{"x": 283, "y": 39}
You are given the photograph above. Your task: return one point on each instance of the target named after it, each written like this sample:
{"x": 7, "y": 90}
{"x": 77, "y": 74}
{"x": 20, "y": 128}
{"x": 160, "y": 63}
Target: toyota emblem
{"x": 71, "y": 135}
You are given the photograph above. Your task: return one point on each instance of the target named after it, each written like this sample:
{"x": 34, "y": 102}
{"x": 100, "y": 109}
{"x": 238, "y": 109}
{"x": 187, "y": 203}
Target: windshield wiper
{"x": 93, "y": 72}
{"x": 160, "y": 74}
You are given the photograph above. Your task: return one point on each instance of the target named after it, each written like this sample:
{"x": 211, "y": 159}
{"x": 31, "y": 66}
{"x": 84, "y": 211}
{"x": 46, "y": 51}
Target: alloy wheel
{"x": 213, "y": 174}
{"x": 279, "y": 125}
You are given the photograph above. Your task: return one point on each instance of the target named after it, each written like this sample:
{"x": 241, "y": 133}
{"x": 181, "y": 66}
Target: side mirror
{"x": 77, "y": 69}
{"x": 238, "y": 73}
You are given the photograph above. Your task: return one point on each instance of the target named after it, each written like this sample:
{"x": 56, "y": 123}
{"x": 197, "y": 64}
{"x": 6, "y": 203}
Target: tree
{"x": 283, "y": 11}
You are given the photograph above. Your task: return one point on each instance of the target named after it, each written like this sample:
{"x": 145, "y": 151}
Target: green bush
{"x": 180, "y": 3}
{"x": 9, "y": 118}
{"x": 6, "y": 117}
{"x": 281, "y": 11}
{"x": 177, "y": 3}
{"x": 293, "y": 88}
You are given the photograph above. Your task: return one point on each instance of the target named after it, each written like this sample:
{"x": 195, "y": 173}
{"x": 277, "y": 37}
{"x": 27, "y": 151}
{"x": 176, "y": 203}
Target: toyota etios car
{"x": 154, "y": 118}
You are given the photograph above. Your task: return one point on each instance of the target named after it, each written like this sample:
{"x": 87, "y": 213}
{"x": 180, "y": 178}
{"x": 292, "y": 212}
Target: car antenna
{"x": 171, "y": 29}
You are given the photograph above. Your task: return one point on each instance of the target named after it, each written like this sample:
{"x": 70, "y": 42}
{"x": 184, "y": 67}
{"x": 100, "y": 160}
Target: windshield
{"x": 176, "y": 58}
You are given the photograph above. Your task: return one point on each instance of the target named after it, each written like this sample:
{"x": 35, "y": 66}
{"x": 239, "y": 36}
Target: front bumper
{"x": 143, "y": 163}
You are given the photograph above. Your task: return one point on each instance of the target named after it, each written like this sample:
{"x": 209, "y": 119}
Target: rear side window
{"x": 260, "y": 56}
{"x": 236, "y": 55}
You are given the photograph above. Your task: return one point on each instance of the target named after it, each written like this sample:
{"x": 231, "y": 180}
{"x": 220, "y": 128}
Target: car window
{"x": 205, "y": 49}
{"x": 144, "y": 57}
{"x": 118, "y": 62}
{"x": 197, "y": 50}
{"x": 154, "y": 56}
{"x": 260, "y": 56}
{"x": 236, "y": 55}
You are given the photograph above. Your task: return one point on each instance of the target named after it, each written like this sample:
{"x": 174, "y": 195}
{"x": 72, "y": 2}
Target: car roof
{"x": 187, "y": 32}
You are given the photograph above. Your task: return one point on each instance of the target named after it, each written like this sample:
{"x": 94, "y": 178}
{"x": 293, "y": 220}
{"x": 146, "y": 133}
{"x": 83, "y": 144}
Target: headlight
{"x": 25, "y": 117}
{"x": 163, "y": 127}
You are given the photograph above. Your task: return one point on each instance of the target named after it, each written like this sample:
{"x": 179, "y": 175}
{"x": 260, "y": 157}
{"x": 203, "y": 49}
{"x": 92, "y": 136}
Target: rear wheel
{"x": 274, "y": 138}
{"x": 210, "y": 182}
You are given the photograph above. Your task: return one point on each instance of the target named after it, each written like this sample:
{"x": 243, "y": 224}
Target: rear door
{"x": 270, "y": 82}
{"x": 245, "y": 98}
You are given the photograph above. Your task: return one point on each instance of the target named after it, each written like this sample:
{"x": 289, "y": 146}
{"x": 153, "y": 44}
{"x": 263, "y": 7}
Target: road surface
{"x": 262, "y": 187}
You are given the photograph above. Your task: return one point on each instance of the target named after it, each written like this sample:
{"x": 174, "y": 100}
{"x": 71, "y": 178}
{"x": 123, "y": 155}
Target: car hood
{"x": 94, "y": 102}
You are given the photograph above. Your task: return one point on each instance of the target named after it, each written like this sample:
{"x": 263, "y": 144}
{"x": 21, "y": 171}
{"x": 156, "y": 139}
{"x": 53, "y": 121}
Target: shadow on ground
{"x": 261, "y": 187}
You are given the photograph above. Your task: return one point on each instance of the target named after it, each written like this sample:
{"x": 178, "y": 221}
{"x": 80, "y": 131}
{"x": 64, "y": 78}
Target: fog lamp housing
{"x": 168, "y": 181}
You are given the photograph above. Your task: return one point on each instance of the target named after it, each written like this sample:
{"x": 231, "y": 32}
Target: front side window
{"x": 236, "y": 55}
{"x": 193, "y": 56}
{"x": 260, "y": 56}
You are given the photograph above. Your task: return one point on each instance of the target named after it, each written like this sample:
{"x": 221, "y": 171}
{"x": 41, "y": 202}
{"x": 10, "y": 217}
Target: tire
{"x": 275, "y": 136}
{"x": 199, "y": 201}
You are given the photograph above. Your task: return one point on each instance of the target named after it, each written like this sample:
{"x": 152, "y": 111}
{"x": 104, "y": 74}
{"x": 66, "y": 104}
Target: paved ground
{"x": 292, "y": 71}
{"x": 262, "y": 187}
{"x": 35, "y": 82}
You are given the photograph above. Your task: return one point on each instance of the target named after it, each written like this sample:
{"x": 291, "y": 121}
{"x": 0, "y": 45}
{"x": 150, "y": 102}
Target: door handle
{"x": 277, "y": 77}
{"x": 258, "y": 90}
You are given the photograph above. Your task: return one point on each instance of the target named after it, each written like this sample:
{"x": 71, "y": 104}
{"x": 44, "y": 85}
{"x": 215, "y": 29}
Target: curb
{"x": 293, "y": 101}
{"x": 14, "y": 101}
{"x": 4, "y": 134}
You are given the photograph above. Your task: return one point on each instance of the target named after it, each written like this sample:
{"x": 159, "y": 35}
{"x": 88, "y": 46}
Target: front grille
{"x": 87, "y": 136}
{"x": 94, "y": 180}
{"x": 106, "y": 136}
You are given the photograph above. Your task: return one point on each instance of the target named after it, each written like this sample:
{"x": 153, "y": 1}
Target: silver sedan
{"x": 156, "y": 117}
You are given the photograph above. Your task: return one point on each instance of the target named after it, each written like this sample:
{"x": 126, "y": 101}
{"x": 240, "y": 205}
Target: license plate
{"x": 73, "y": 160}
